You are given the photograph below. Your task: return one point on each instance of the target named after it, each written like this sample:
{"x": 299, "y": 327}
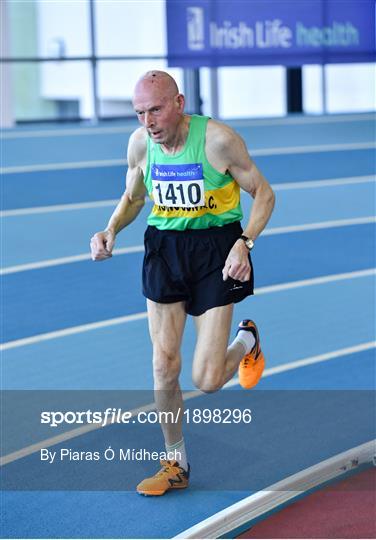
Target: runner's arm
{"x": 234, "y": 152}
{"x": 133, "y": 198}
{"x": 250, "y": 179}
{"x": 130, "y": 203}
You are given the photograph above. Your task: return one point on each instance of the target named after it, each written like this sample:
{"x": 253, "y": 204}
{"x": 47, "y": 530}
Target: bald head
{"x": 159, "y": 106}
{"x": 157, "y": 81}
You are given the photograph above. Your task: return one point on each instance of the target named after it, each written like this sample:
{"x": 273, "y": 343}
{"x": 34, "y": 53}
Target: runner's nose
{"x": 149, "y": 122}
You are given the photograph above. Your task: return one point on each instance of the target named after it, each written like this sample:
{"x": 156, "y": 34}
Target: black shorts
{"x": 186, "y": 266}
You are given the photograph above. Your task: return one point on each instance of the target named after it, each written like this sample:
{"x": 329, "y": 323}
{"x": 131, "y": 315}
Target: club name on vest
{"x": 209, "y": 205}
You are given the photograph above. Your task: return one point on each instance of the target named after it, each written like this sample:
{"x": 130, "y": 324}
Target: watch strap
{"x": 247, "y": 241}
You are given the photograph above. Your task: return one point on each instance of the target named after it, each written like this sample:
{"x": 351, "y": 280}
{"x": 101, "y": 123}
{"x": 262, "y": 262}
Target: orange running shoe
{"x": 253, "y": 363}
{"x": 171, "y": 476}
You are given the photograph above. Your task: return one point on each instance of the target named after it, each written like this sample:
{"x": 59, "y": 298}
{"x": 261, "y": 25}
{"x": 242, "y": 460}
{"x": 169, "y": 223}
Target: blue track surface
{"x": 67, "y": 290}
{"x": 295, "y": 324}
{"x": 53, "y": 231}
{"x": 71, "y": 143}
{"x": 281, "y": 457}
{"x": 43, "y": 188}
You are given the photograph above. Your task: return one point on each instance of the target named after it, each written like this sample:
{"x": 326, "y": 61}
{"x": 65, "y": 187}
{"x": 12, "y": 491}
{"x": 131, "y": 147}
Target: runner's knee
{"x": 208, "y": 381}
{"x": 166, "y": 366}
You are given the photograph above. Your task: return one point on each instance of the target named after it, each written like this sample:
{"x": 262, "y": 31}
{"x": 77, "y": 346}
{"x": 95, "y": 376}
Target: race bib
{"x": 178, "y": 185}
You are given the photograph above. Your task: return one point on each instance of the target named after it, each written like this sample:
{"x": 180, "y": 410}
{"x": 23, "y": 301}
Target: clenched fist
{"x": 101, "y": 245}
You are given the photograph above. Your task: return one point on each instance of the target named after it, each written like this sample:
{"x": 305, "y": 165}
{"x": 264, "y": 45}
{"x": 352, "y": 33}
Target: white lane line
{"x": 309, "y": 184}
{"x": 311, "y": 149}
{"x": 63, "y": 166}
{"x": 137, "y": 316}
{"x": 113, "y": 202}
{"x": 293, "y": 120}
{"x": 315, "y": 281}
{"x": 69, "y": 132}
{"x": 138, "y": 249}
{"x": 306, "y": 149}
{"x": 64, "y": 260}
{"x": 72, "y": 330}
{"x": 58, "y": 208}
{"x": 319, "y": 225}
{"x": 46, "y": 443}
{"x": 284, "y": 120}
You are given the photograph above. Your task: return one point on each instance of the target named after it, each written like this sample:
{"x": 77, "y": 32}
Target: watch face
{"x": 249, "y": 243}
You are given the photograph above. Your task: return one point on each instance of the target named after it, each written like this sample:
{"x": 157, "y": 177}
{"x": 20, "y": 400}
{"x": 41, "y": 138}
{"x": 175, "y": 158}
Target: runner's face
{"x": 158, "y": 113}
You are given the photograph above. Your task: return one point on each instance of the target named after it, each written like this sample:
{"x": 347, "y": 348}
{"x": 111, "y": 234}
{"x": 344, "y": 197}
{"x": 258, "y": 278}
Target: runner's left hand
{"x": 237, "y": 264}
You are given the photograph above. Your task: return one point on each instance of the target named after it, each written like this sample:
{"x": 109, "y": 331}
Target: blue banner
{"x": 266, "y": 32}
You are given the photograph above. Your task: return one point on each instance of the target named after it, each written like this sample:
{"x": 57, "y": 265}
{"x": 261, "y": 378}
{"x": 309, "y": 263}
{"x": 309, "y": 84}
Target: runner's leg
{"x": 166, "y": 326}
{"x": 215, "y": 362}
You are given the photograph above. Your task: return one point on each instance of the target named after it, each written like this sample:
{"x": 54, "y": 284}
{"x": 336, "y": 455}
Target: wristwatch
{"x": 249, "y": 243}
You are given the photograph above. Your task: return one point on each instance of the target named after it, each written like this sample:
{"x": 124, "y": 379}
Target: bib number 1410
{"x": 179, "y": 194}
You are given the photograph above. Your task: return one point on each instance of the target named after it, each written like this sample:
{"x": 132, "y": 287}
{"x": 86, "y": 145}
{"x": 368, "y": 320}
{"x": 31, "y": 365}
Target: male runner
{"x": 197, "y": 258}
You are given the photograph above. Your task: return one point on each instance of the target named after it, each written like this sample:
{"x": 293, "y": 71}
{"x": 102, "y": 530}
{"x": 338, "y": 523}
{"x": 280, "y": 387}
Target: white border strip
{"x": 137, "y": 316}
{"x": 275, "y": 151}
{"x": 254, "y": 506}
{"x": 309, "y": 184}
{"x": 71, "y": 434}
{"x": 140, "y": 248}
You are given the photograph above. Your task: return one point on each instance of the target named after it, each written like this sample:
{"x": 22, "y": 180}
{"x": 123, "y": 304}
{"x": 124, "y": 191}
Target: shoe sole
{"x": 159, "y": 493}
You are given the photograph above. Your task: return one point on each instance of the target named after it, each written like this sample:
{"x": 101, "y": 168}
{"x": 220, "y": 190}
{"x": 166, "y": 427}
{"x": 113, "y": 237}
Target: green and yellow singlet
{"x": 188, "y": 193}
